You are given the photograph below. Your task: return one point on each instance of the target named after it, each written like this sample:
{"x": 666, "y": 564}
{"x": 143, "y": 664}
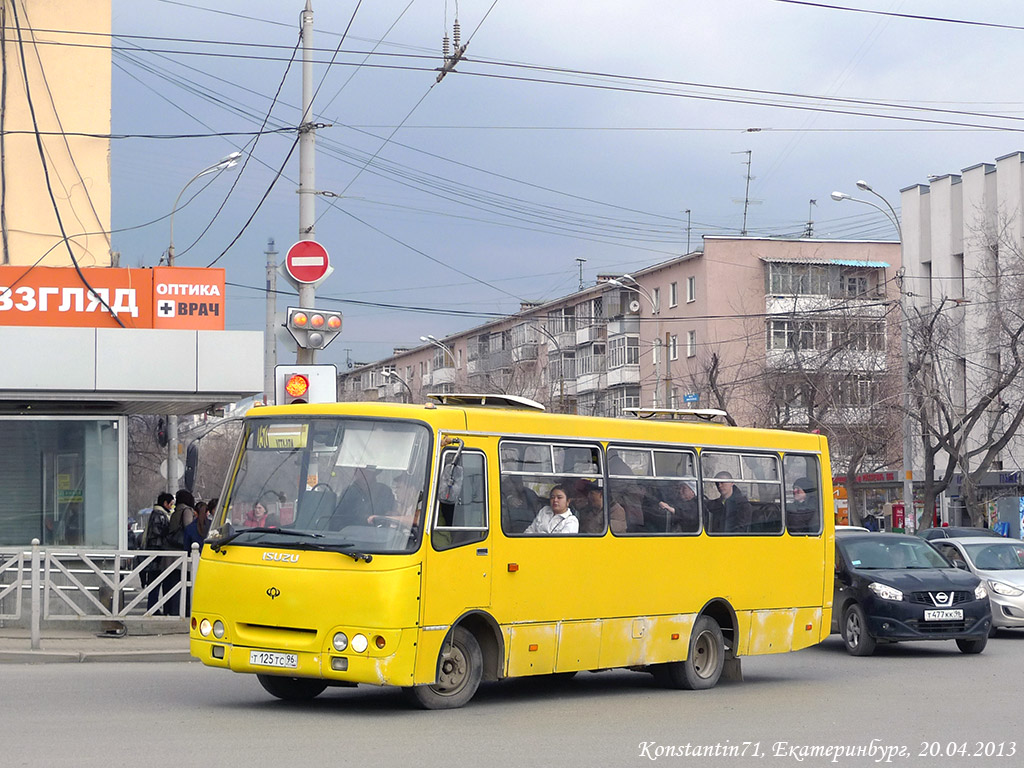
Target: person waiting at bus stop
{"x": 556, "y": 518}
{"x": 158, "y": 536}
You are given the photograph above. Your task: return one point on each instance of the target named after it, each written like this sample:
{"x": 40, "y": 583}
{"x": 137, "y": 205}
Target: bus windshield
{"x": 355, "y": 485}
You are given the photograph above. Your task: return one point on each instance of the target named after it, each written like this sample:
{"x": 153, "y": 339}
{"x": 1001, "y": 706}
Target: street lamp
{"x": 909, "y": 515}
{"x": 172, "y": 420}
{"x": 394, "y": 375}
{"x": 637, "y": 288}
{"x": 561, "y": 365}
{"x": 429, "y": 339}
{"x": 221, "y": 165}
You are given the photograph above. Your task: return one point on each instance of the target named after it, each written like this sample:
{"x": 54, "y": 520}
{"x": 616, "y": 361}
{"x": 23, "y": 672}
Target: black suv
{"x": 892, "y": 587}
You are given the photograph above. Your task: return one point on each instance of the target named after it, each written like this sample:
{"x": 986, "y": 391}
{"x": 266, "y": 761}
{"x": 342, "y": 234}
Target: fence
{"x": 78, "y": 584}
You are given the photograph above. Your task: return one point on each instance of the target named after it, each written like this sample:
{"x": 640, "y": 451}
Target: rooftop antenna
{"x": 581, "y": 262}
{"x": 810, "y": 219}
{"x": 746, "y": 194}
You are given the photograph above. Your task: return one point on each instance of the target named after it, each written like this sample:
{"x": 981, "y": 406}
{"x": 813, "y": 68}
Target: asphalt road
{"x": 917, "y": 697}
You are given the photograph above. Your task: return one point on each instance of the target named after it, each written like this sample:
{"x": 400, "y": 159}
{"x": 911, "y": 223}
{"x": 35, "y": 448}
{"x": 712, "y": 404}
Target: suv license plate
{"x": 944, "y": 615}
{"x": 268, "y": 659}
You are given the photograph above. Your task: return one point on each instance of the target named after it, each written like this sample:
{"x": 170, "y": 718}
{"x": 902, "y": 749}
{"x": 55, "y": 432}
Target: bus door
{"x": 457, "y": 563}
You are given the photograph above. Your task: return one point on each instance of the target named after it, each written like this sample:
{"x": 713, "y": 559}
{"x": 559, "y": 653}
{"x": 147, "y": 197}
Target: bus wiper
{"x": 340, "y": 549}
{"x": 216, "y": 545}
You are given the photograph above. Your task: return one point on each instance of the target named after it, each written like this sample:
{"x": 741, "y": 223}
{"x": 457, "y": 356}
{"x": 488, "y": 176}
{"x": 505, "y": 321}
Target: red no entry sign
{"x": 307, "y": 261}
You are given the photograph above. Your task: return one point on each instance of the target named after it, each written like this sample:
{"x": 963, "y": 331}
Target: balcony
{"x": 621, "y": 325}
{"x": 625, "y": 374}
{"x": 590, "y": 382}
{"x": 589, "y": 334}
{"x": 442, "y": 376}
{"x": 524, "y": 352}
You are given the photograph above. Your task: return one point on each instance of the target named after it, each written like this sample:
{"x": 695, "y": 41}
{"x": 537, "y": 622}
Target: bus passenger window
{"x": 464, "y": 521}
{"x": 803, "y": 499}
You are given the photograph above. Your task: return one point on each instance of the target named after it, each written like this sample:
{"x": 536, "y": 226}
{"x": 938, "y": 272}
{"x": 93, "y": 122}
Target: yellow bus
{"x": 429, "y": 547}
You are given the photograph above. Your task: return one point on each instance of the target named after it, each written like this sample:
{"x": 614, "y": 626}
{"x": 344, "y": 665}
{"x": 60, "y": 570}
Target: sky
{"x": 575, "y": 139}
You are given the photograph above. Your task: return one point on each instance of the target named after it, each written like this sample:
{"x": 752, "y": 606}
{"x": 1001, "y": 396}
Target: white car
{"x": 999, "y": 563}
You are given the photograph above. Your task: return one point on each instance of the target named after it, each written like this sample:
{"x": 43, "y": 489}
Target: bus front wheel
{"x": 292, "y": 688}
{"x": 459, "y": 670}
{"x": 704, "y": 662}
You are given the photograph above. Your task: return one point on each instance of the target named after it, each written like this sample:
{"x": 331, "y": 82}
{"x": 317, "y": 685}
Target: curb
{"x": 78, "y": 657}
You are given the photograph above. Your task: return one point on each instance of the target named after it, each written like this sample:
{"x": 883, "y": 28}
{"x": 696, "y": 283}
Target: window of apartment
{"x": 691, "y": 289}
{"x": 623, "y": 350}
{"x": 691, "y": 343}
{"x": 460, "y": 357}
{"x": 858, "y": 335}
{"x": 792, "y": 279}
{"x": 673, "y": 346}
{"x": 590, "y": 313}
{"x": 656, "y": 295}
{"x": 623, "y": 397}
{"x": 673, "y": 295}
{"x": 591, "y": 359}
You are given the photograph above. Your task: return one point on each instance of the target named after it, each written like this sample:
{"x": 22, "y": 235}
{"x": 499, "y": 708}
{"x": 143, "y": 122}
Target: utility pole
{"x": 270, "y": 333}
{"x": 307, "y": 168}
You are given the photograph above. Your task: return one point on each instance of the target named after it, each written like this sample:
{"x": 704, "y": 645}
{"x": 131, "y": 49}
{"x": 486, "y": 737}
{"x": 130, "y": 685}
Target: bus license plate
{"x": 956, "y": 614}
{"x": 268, "y": 659}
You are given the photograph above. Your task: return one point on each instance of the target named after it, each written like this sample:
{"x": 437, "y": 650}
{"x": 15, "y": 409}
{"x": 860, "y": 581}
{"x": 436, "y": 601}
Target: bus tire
{"x": 459, "y": 671}
{"x": 855, "y": 632}
{"x": 292, "y": 688}
{"x": 704, "y": 661}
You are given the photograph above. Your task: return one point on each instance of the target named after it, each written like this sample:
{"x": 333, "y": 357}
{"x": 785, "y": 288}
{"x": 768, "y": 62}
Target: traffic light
{"x": 305, "y": 384}
{"x": 313, "y": 328}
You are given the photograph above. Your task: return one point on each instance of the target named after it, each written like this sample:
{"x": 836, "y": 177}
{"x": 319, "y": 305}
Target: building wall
{"x": 727, "y": 316}
{"x": 69, "y": 82}
{"x": 963, "y": 245}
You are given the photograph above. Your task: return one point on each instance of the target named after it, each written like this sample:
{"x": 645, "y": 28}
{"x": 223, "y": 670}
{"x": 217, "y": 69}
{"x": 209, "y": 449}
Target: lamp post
{"x": 561, "y": 366}
{"x": 655, "y": 310}
{"x": 172, "y": 420}
{"x": 909, "y": 516}
{"x": 221, "y": 165}
{"x": 394, "y": 375}
{"x": 429, "y": 339}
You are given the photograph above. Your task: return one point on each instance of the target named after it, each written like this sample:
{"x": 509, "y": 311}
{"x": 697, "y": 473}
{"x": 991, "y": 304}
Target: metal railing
{"x": 85, "y": 584}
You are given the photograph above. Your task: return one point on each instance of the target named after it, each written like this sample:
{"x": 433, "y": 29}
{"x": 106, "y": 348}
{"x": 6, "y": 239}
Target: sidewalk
{"x": 152, "y": 642}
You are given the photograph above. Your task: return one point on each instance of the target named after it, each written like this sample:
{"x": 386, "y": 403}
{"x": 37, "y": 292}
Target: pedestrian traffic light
{"x": 313, "y": 328}
{"x": 305, "y": 384}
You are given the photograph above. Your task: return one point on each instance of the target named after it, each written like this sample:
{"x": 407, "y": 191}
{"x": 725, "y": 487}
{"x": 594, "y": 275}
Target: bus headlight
{"x": 340, "y": 641}
{"x": 218, "y": 629}
{"x": 360, "y": 643}
{"x": 205, "y": 627}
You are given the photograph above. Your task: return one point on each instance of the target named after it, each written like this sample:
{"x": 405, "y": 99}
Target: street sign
{"x": 691, "y": 398}
{"x": 307, "y": 261}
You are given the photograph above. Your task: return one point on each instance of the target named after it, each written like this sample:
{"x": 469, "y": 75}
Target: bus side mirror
{"x": 450, "y": 486}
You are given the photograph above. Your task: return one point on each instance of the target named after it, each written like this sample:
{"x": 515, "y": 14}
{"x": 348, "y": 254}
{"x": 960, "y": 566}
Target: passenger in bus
{"x": 682, "y": 509}
{"x": 735, "y": 507}
{"x": 626, "y": 514}
{"x": 556, "y": 517}
{"x": 802, "y": 514}
{"x": 519, "y": 504}
{"x": 255, "y": 517}
{"x": 591, "y": 513}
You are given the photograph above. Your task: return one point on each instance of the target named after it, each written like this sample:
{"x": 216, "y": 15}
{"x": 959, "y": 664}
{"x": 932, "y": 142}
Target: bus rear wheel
{"x": 459, "y": 671}
{"x": 292, "y": 688}
{"x": 704, "y": 662}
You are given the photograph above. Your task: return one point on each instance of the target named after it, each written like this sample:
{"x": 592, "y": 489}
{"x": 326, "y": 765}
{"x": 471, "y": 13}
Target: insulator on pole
{"x": 444, "y": 46}
{"x": 457, "y": 34}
